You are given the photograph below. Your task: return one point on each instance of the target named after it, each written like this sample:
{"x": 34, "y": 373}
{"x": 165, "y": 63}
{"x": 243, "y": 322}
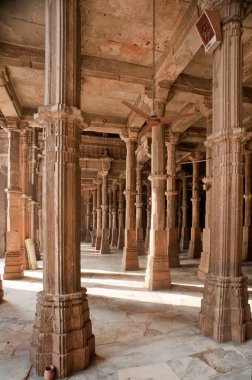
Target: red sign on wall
{"x": 209, "y": 29}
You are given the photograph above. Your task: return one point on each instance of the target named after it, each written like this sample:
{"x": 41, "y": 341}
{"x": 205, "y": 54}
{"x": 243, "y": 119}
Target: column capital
{"x": 172, "y": 139}
{"x": 205, "y": 108}
{"x": 131, "y": 134}
{"x": 53, "y": 113}
{"x": 12, "y": 124}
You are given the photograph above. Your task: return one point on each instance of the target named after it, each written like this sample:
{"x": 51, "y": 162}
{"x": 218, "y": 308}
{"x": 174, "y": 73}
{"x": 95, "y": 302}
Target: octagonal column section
{"x": 247, "y": 226}
{"x": 225, "y": 312}
{"x": 158, "y": 272}
{"x": 62, "y": 334}
{"x": 195, "y": 242}
{"x": 120, "y": 241}
{"x": 172, "y": 203}
{"x": 130, "y": 257}
{"x": 13, "y": 268}
{"x": 99, "y": 216}
{"x": 94, "y": 215}
{"x": 184, "y": 237}
{"x": 114, "y": 235}
{"x": 106, "y": 163}
{"x": 139, "y": 210}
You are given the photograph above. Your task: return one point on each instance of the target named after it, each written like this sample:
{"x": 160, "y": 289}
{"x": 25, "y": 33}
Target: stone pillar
{"x": 94, "y": 215}
{"x": 172, "y": 204}
{"x": 114, "y": 235}
{"x": 99, "y": 217}
{"x": 24, "y": 199}
{"x": 13, "y": 258}
{"x": 88, "y": 216}
{"x": 139, "y": 211}
{"x": 120, "y": 242}
{"x": 148, "y": 222}
{"x": 40, "y": 201}
{"x": 110, "y": 196}
{"x": 225, "y": 313}
{"x": 106, "y": 162}
{"x": 83, "y": 216}
{"x": 158, "y": 272}
{"x": 184, "y": 237}
{"x": 130, "y": 257}
{"x": 33, "y": 204}
{"x": 205, "y": 254}
{"x": 247, "y": 227}
{"x": 179, "y": 209}
{"x": 62, "y": 334}
{"x": 195, "y": 243}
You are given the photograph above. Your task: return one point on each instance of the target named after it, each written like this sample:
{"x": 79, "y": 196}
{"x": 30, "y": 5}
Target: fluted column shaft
{"x": 130, "y": 257}
{"x": 184, "y": 239}
{"x": 13, "y": 259}
{"x": 114, "y": 235}
{"x": 172, "y": 204}
{"x": 139, "y": 211}
{"x": 158, "y": 272}
{"x": 225, "y": 313}
{"x": 247, "y": 227}
{"x": 195, "y": 242}
{"x": 120, "y": 242}
{"x": 94, "y": 216}
{"x": 105, "y": 220}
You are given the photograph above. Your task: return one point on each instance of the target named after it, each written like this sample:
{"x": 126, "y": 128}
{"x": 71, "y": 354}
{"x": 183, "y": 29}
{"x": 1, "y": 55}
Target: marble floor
{"x": 140, "y": 335}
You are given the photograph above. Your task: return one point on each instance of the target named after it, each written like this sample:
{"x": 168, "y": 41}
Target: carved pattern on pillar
{"x": 172, "y": 203}
{"x": 225, "y": 312}
{"x": 99, "y": 216}
{"x": 106, "y": 163}
{"x": 130, "y": 257}
{"x": 247, "y": 227}
{"x": 148, "y": 217}
{"x": 158, "y": 272}
{"x": 120, "y": 242}
{"x": 114, "y": 235}
{"x": 184, "y": 239}
{"x": 94, "y": 215}
{"x": 13, "y": 258}
{"x": 139, "y": 211}
{"x": 195, "y": 242}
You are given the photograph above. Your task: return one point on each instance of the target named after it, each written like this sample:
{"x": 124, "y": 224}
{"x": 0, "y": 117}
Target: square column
{"x": 13, "y": 268}
{"x": 130, "y": 257}
{"x": 225, "y": 312}
{"x": 139, "y": 211}
{"x": 172, "y": 203}
{"x": 158, "y": 271}
{"x": 120, "y": 241}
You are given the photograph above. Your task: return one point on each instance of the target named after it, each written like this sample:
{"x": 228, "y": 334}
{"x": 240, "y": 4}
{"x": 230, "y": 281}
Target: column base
{"x": 158, "y": 274}
{"x": 13, "y": 268}
{"x": 225, "y": 313}
{"x": 120, "y": 242}
{"x": 104, "y": 250}
{"x": 130, "y": 259}
{"x": 114, "y": 238}
{"x": 24, "y": 256}
{"x": 184, "y": 240}
{"x": 195, "y": 243}
{"x": 173, "y": 249}
{"x": 247, "y": 243}
{"x": 204, "y": 265}
{"x": 62, "y": 334}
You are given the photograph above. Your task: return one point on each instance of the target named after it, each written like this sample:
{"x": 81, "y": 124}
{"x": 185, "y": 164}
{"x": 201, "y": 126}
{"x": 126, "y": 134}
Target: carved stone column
{"x": 106, "y": 162}
{"x": 62, "y": 333}
{"x": 247, "y": 227}
{"x": 110, "y": 196}
{"x": 172, "y": 204}
{"x": 225, "y": 313}
{"x": 139, "y": 211}
{"x": 148, "y": 221}
{"x": 40, "y": 200}
{"x": 120, "y": 242}
{"x": 94, "y": 215}
{"x": 88, "y": 216}
{"x": 24, "y": 198}
{"x": 195, "y": 242}
{"x": 99, "y": 216}
{"x": 205, "y": 254}
{"x": 184, "y": 238}
{"x": 13, "y": 258}
{"x": 130, "y": 257}
{"x": 158, "y": 272}
{"x": 114, "y": 235}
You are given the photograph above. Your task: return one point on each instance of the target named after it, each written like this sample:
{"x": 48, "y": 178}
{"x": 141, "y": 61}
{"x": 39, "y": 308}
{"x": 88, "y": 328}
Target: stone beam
{"x": 9, "y": 103}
